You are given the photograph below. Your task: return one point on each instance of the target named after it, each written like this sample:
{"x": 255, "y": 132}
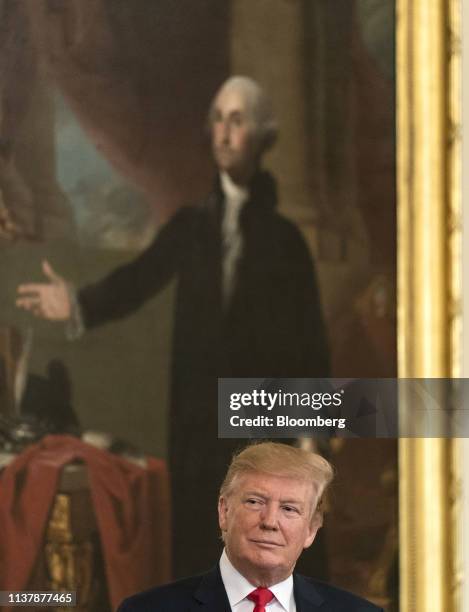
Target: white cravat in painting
{"x": 232, "y": 239}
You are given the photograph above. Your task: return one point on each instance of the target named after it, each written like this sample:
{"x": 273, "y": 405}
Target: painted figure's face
{"x": 266, "y": 522}
{"x": 234, "y": 142}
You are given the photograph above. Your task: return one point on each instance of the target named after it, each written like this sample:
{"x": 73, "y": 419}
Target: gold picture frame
{"x": 429, "y": 289}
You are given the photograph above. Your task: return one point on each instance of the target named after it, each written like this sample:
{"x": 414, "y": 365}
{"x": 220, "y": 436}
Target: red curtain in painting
{"x": 138, "y": 75}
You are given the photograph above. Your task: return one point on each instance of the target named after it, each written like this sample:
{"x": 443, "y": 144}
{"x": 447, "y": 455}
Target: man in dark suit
{"x": 247, "y": 305}
{"x": 269, "y": 511}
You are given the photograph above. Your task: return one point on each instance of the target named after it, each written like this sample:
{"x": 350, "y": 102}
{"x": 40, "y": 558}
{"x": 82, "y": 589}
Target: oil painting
{"x": 116, "y": 164}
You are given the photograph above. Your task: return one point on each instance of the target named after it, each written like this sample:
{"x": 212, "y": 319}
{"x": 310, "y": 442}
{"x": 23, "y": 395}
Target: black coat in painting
{"x": 273, "y": 327}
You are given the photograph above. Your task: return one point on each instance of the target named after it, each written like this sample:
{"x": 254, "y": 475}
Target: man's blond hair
{"x": 282, "y": 460}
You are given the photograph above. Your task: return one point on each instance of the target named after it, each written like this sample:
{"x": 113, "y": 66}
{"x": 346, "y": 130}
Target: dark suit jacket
{"x": 206, "y": 593}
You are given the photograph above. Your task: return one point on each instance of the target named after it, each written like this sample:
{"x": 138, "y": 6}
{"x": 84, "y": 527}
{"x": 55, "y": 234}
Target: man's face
{"x": 266, "y": 522}
{"x": 235, "y": 147}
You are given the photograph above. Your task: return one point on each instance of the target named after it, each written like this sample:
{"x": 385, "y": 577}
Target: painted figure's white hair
{"x": 259, "y": 105}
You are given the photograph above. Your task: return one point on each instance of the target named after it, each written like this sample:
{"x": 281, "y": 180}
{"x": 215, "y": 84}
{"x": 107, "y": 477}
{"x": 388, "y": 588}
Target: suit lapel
{"x": 210, "y": 595}
{"x": 307, "y": 598}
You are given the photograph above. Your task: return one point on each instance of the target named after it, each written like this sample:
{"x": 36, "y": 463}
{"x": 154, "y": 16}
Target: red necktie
{"x": 260, "y": 597}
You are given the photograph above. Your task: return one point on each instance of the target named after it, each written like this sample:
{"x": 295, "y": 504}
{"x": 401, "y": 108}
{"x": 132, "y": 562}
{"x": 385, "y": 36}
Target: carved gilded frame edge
{"x": 429, "y": 291}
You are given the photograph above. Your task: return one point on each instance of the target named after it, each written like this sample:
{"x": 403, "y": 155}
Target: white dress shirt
{"x": 238, "y": 588}
{"x": 235, "y": 198}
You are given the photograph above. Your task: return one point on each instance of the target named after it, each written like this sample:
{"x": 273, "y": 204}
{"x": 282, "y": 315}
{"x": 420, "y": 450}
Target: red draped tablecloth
{"x": 131, "y": 505}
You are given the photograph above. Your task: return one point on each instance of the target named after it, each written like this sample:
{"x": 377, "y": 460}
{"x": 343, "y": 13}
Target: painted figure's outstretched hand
{"x": 50, "y": 300}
